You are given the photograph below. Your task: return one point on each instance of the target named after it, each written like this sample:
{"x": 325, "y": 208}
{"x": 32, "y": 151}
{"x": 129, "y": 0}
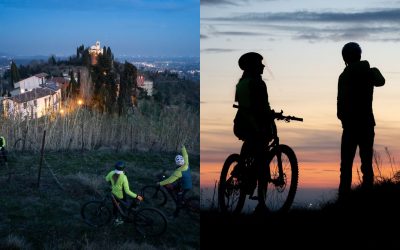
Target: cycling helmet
{"x": 179, "y": 160}
{"x": 351, "y": 52}
{"x": 120, "y": 165}
{"x": 249, "y": 60}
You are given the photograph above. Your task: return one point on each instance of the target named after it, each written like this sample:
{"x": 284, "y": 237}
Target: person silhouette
{"x": 253, "y": 120}
{"x": 354, "y": 110}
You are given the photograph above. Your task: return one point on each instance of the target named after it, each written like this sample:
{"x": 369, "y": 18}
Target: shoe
{"x": 118, "y": 222}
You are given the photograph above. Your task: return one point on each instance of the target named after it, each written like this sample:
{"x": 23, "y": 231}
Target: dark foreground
{"x": 367, "y": 220}
{"x": 48, "y": 216}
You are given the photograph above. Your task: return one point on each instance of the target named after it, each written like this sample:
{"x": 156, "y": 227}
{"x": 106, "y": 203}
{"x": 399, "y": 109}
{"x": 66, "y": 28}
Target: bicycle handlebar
{"x": 280, "y": 116}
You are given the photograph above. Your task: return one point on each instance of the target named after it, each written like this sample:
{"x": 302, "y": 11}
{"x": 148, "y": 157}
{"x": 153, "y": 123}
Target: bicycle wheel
{"x": 231, "y": 196}
{"x": 154, "y": 195}
{"x": 149, "y": 221}
{"x": 192, "y": 206}
{"x": 279, "y": 193}
{"x": 95, "y": 213}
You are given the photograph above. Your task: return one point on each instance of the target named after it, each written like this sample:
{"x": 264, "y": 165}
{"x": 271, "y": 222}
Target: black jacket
{"x": 254, "y": 116}
{"x": 355, "y": 94}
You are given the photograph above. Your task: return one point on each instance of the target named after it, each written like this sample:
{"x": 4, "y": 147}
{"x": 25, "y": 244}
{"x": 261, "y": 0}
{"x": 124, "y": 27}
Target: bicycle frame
{"x": 274, "y": 144}
{"x": 147, "y": 220}
{"x": 172, "y": 193}
{"x": 241, "y": 175}
{"x": 118, "y": 203}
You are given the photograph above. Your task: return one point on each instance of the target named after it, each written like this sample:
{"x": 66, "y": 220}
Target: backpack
{"x": 187, "y": 179}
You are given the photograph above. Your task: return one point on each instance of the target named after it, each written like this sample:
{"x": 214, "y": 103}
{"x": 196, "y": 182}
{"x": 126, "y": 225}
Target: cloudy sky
{"x": 301, "y": 42}
{"x": 129, "y": 27}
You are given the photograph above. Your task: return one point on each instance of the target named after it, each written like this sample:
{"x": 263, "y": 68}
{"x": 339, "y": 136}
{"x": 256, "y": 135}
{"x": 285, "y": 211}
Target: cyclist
{"x": 181, "y": 179}
{"x": 3, "y": 151}
{"x": 120, "y": 187}
{"x": 354, "y": 110}
{"x": 253, "y": 122}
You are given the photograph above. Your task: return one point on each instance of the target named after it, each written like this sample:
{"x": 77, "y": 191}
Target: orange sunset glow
{"x": 303, "y": 62}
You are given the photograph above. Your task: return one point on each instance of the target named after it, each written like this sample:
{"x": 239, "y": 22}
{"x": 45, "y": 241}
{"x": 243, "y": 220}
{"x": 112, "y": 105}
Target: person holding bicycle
{"x": 354, "y": 110}
{"x": 3, "y": 151}
{"x": 253, "y": 122}
{"x": 180, "y": 180}
{"x": 120, "y": 187}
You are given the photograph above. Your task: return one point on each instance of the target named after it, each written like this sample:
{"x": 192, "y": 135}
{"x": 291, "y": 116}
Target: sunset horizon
{"x": 301, "y": 43}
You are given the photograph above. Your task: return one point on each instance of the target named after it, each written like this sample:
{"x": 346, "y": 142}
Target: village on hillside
{"x": 43, "y": 94}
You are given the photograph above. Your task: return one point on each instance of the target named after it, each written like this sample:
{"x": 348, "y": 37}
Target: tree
{"x": 86, "y": 61}
{"x": 79, "y": 51}
{"x": 73, "y": 87}
{"x": 110, "y": 54}
{"x": 14, "y": 77}
{"x": 52, "y": 60}
{"x": 128, "y": 85}
{"x": 105, "y": 88}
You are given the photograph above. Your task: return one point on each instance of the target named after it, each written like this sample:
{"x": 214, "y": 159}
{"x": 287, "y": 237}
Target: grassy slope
{"x": 366, "y": 220}
{"x": 49, "y": 218}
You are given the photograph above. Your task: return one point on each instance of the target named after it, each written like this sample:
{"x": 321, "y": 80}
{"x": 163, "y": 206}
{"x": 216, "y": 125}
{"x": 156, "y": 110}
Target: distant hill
{"x": 24, "y": 60}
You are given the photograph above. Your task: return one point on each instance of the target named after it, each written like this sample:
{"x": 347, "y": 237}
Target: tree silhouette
{"x": 14, "y": 74}
{"x": 52, "y": 60}
{"x": 127, "y": 86}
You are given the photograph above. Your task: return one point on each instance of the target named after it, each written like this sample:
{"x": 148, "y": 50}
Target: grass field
{"x": 48, "y": 217}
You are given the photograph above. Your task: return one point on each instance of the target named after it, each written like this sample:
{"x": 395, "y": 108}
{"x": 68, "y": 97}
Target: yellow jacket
{"x": 120, "y": 185}
{"x": 178, "y": 172}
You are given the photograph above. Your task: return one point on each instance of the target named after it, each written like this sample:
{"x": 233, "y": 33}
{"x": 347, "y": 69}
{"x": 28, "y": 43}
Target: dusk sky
{"x": 301, "y": 42}
{"x": 129, "y": 27}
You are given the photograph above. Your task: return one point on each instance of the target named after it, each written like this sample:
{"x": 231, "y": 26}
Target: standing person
{"x": 120, "y": 188}
{"x": 253, "y": 122}
{"x": 180, "y": 180}
{"x": 354, "y": 110}
{"x": 3, "y": 151}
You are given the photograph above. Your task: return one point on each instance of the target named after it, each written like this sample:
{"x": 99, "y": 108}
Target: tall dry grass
{"x": 16, "y": 242}
{"x": 385, "y": 167}
{"x": 150, "y": 127}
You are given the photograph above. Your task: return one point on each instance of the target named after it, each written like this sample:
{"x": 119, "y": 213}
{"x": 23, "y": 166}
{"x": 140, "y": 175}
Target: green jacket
{"x": 2, "y": 142}
{"x": 177, "y": 174}
{"x": 120, "y": 186}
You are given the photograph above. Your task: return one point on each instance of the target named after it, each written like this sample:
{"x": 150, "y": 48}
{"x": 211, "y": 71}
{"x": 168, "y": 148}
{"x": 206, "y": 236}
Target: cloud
{"x": 238, "y": 33}
{"x": 377, "y": 25}
{"x": 216, "y": 50}
{"x": 383, "y": 15}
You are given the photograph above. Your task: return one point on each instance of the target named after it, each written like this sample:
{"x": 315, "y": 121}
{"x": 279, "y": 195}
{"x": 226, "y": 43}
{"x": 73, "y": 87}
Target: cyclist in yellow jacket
{"x": 3, "y": 151}
{"x": 120, "y": 187}
{"x": 180, "y": 180}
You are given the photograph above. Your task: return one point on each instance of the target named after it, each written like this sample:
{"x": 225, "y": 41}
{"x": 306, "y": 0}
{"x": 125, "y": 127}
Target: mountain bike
{"x": 148, "y": 221}
{"x": 157, "y": 196}
{"x": 240, "y": 178}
